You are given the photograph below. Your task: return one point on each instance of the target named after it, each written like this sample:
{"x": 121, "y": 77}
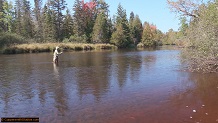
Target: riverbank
{"x": 49, "y": 47}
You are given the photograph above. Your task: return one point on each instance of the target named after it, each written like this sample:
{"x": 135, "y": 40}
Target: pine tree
{"x": 18, "y": 17}
{"x": 57, "y": 7}
{"x": 137, "y": 30}
{"x": 100, "y": 30}
{"x": 38, "y": 19}
{"x": 121, "y": 24}
{"x": 49, "y": 31}
{"x": 27, "y": 21}
{"x": 23, "y": 19}
{"x": 7, "y": 16}
{"x": 67, "y": 25}
{"x": 147, "y": 37}
{"x": 78, "y": 19}
{"x": 102, "y": 6}
{"x": 2, "y": 26}
{"x": 84, "y": 17}
{"x": 110, "y": 27}
{"x": 118, "y": 37}
{"x": 121, "y": 15}
{"x": 131, "y": 27}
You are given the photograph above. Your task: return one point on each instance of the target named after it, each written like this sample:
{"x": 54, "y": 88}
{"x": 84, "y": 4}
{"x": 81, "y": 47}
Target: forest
{"x": 86, "y": 22}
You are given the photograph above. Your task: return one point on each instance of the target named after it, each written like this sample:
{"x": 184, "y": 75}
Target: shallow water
{"x": 147, "y": 86}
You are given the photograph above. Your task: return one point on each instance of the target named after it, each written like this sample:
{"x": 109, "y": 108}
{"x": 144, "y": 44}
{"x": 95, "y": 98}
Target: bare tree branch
{"x": 185, "y": 7}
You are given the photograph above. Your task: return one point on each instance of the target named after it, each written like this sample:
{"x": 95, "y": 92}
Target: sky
{"x": 153, "y": 11}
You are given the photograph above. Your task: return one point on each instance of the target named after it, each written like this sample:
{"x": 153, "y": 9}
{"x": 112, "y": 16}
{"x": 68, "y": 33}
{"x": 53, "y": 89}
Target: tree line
{"x": 89, "y": 22}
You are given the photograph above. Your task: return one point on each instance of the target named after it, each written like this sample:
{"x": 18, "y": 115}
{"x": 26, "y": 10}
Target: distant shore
{"x": 49, "y": 47}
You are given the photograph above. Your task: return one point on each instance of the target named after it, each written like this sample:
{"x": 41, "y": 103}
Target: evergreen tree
{"x": 121, "y": 15}
{"x": 84, "y": 18}
{"x": 23, "y": 19}
{"x": 7, "y": 16}
{"x": 102, "y": 6}
{"x": 131, "y": 27}
{"x": 121, "y": 22}
{"x": 27, "y": 21}
{"x": 110, "y": 27}
{"x": 137, "y": 30}
{"x": 78, "y": 19}
{"x": 67, "y": 25}
{"x": 147, "y": 37}
{"x": 38, "y": 20}
{"x": 2, "y": 26}
{"x": 100, "y": 30}
{"x": 49, "y": 31}
{"x": 57, "y": 7}
{"x": 118, "y": 37}
{"x": 18, "y": 17}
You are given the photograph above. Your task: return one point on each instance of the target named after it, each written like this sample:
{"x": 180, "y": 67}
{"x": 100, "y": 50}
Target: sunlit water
{"x": 148, "y": 86}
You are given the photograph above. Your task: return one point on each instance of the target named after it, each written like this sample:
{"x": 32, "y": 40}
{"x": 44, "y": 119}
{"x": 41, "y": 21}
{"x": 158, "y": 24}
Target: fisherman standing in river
{"x": 56, "y": 53}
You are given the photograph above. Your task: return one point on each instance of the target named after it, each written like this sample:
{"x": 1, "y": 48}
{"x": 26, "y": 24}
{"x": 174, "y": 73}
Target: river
{"x": 124, "y": 86}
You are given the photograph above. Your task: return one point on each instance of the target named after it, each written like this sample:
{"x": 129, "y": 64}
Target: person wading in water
{"x": 55, "y": 56}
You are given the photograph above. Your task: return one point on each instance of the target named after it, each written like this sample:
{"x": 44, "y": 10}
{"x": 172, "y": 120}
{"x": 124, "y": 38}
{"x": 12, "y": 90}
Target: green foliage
{"x": 67, "y": 25}
{"x": 38, "y": 18}
{"x": 121, "y": 37}
{"x": 7, "y": 39}
{"x": 85, "y": 25}
{"x": 201, "y": 51}
{"x": 66, "y": 40}
{"x": 131, "y": 27}
{"x": 27, "y": 21}
{"x": 8, "y": 15}
{"x": 78, "y": 21}
{"x": 100, "y": 30}
{"x": 170, "y": 37}
{"x": 23, "y": 19}
{"x": 158, "y": 37}
{"x": 78, "y": 39}
{"x": 49, "y": 32}
{"x": 102, "y": 6}
{"x": 183, "y": 27}
{"x": 49, "y": 47}
{"x": 57, "y": 7}
{"x": 148, "y": 37}
{"x": 121, "y": 15}
{"x": 136, "y": 30}
{"x": 18, "y": 18}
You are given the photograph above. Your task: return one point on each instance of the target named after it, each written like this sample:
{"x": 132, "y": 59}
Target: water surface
{"x": 125, "y": 86}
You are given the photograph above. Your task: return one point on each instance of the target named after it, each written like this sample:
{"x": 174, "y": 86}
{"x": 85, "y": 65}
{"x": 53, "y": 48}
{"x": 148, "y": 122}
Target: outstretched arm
{"x": 60, "y": 53}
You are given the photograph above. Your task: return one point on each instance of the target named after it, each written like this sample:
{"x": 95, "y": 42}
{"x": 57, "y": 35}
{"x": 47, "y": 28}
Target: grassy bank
{"x": 49, "y": 47}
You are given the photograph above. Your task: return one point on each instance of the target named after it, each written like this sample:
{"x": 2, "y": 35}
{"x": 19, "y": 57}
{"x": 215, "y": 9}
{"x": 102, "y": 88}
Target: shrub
{"x": 201, "y": 51}
{"x": 7, "y": 39}
{"x": 78, "y": 39}
{"x": 66, "y": 40}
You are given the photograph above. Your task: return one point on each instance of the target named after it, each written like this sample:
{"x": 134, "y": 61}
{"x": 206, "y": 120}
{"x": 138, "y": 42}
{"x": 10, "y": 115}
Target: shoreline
{"x": 49, "y": 47}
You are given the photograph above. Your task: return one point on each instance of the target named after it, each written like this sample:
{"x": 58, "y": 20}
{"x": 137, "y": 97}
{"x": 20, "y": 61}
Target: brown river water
{"x": 124, "y": 86}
